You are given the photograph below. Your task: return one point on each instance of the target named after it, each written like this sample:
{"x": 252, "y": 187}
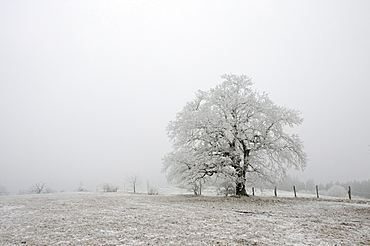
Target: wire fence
{"x": 360, "y": 193}
{"x": 350, "y": 192}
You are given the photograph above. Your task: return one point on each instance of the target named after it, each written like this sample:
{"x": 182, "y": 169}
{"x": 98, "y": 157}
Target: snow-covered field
{"x": 95, "y": 218}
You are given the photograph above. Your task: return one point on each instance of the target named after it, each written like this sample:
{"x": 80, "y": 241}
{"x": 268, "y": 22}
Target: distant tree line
{"x": 358, "y": 188}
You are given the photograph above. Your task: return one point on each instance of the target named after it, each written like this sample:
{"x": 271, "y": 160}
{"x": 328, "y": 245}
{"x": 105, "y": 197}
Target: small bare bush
{"x": 109, "y": 188}
{"x": 80, "y": 187}
{"x": 151, "y": 190}
{"x": 226, "y": 188}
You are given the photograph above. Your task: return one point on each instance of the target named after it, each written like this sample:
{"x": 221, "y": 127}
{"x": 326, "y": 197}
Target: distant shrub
{"x": 109, "y": 188}
{"x": 337, "y": 191}
{"x": 152, "y": 191}
{"x": 3, "y": 191}
{"x": 80, "y": 187}
{"x": 226, "y": 188}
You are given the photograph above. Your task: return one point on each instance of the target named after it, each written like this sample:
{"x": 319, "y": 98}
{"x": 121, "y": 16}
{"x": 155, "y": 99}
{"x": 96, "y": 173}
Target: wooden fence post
{"x": 349, "y": 192}
{"x": 252, "y": 191}
{"x": 317, "y": 191}
{"x": 275, "y": 191}
{"x": 295, "y": 192}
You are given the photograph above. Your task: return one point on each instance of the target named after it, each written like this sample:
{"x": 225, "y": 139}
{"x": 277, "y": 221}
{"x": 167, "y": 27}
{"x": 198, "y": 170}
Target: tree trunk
{"x": 240, "y": 183}
{"x": 240, "y": 189}
{"x": 241, "y": 172}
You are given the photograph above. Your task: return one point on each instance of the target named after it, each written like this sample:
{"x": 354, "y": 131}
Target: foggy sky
{"x": 87, "y": 88}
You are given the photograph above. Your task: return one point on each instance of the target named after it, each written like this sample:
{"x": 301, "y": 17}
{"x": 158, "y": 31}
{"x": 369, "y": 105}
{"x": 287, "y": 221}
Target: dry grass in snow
{"x": 92, "y": 218}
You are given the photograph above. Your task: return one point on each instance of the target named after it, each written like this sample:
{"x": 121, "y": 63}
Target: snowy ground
{"x": 95, "y": 218}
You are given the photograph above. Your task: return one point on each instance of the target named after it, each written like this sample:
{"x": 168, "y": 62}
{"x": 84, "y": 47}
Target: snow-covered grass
{"x": 96, "y": 218}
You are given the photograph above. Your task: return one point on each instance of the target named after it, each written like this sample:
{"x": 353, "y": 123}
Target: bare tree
{"x": 38, "y": 188}
{"x": 81, "y": 187}
{"x": 134, "y": 181}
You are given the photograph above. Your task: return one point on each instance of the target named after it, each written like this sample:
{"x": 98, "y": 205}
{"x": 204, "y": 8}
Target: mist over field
{"x": 88, "y": 88}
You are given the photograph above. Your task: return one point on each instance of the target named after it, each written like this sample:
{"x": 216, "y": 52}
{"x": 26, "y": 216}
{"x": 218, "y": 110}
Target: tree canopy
{"x": 233, "y": 131}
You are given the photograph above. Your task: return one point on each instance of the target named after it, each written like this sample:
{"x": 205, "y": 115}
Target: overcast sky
{"x": 87, "y": 88}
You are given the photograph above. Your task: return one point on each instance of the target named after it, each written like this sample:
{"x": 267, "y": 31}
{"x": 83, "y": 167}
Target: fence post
{"x": 317, "y": 191}
{"x": 349, "y": 192}
{"x": 295, "y": 192}
{"x": 275, "y": 191}
{"x": 253, "y": 191}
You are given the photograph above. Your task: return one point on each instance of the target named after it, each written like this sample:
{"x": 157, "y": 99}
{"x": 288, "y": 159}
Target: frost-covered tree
{"x": 337, "y": 191}
{"x": 233, "y": 130}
